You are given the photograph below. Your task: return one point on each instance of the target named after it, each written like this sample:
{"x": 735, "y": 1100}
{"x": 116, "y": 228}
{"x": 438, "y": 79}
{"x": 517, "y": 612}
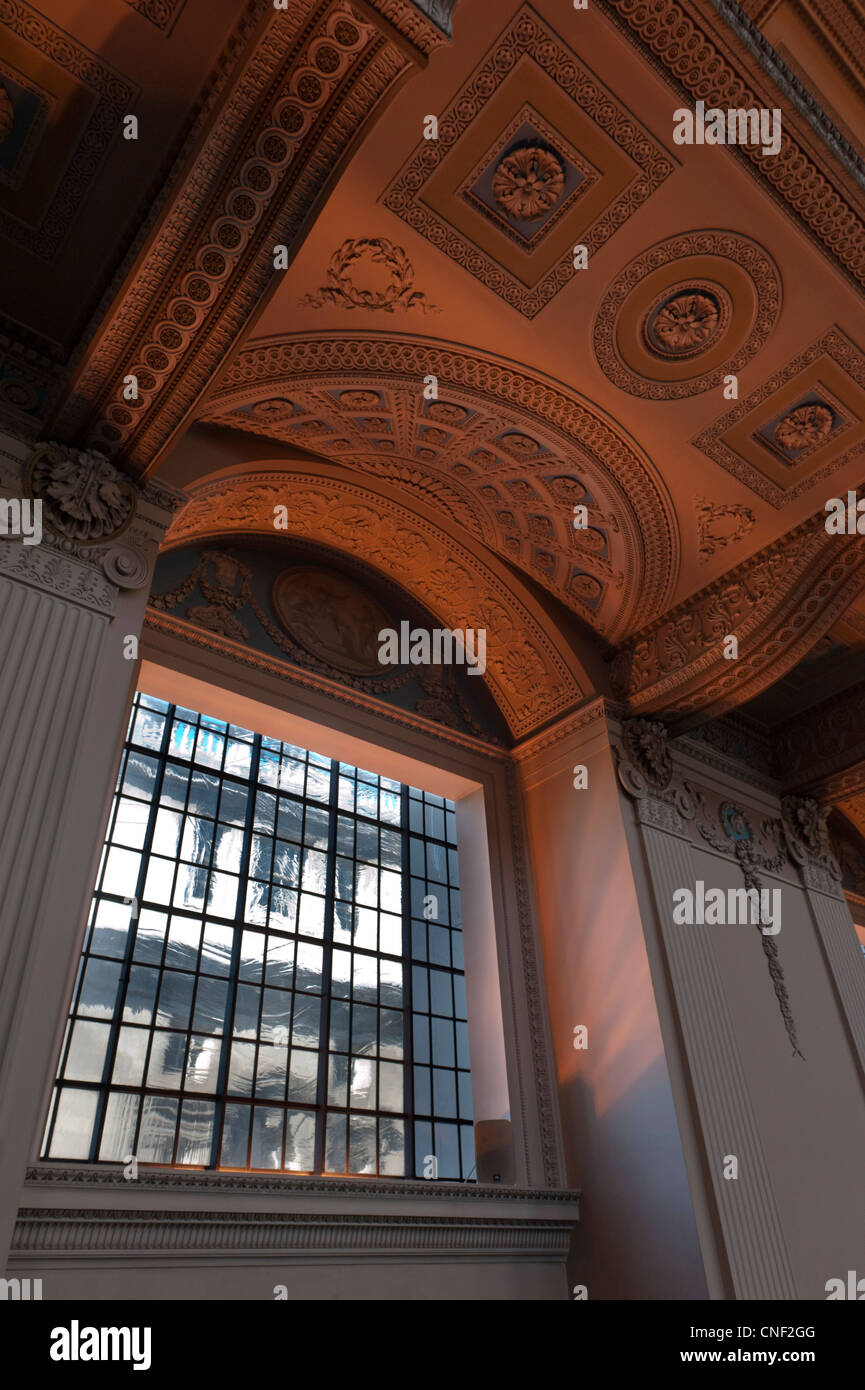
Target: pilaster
{"x": 71, "y": 609}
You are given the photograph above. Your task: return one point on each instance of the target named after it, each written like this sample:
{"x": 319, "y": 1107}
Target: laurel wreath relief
{"x": 341, "y": 287}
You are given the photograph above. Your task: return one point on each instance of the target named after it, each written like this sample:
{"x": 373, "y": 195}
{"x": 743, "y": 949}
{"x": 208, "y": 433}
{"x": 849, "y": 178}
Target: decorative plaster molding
{"x": 823, "y": 750}
{"x": 315, "y": 76}
{"x": 722, "y": 250}
{"x": 527, "y": 40}
{"x": 85, "y": 498}
{"x": 595, "y": 712}
{"x": 807, "y": 838}
{"x": 753, "y": 1238}
{"x": 110, "y": 94}
{"x": 340, "y": 288}
{"x": 531, "y": 677}
{"x": 161, "y": 13}
{"x": 715, "y": 440}
{"x": 740, "y": 843}
{"x": 250, "y": 1184}
{"x": 778, "y": 603}
{"x": 70, "y": 561}
{"x": 786, "y": 80}
{"x": 92, "y": 1233}
{"x": 541, "y": 1056}
{"x": 192, "y": 636}
{"x": 645, "y": 769}
{"x": 706, "y": 66}
{"x": 711, "y": 535}
{"x": 575, "y": 438}
{"x": 727, "y": 745}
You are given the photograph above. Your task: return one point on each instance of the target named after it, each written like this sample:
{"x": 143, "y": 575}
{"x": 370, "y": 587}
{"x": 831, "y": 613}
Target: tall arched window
{"x": 272, "y": 976}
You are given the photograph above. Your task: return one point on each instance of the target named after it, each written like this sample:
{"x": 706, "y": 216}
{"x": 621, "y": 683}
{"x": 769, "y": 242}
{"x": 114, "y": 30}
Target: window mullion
{"x": 236, "y": 948}
{"x": 327, "y": 972}
{"x": 408, "y": 1016}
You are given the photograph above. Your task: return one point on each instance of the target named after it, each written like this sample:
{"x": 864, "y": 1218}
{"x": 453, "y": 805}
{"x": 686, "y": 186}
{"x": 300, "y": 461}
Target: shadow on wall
{"x": 620, "y": 1248}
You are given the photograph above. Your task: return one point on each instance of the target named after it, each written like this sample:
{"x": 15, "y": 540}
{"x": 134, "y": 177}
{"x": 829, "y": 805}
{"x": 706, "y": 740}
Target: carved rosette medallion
{"x": 708, "y": 297}
{"x": 528, "y": 181}
{"x": 85, "y": 498}
{"x": 685, "y": 323}
{"x": 804, "y": 426}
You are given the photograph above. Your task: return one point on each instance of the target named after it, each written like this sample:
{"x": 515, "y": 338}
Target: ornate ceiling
{"x": 450, "y": 259}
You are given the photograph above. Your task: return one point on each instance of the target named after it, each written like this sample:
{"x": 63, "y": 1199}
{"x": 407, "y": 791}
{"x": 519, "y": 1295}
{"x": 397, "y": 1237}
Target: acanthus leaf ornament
{"x": 86, "y": 499}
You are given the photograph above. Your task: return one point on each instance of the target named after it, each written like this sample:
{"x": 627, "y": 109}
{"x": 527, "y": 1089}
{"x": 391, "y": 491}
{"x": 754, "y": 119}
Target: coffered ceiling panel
{"x": 800, "y": 427}
{"x": 534, "y": 157}
{"x": 501, "y": 453}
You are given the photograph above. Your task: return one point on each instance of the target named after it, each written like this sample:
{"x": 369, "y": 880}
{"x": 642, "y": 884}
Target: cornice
{"x": 729, "y": 747}
{"x": 595, "y": 712}
{"x": 823, "y": 750}
{"x": 705, "y": 57}
{"x": 316, "y": 72}
{"x": 787, "y": 82}
{"x": 778, "y": 603}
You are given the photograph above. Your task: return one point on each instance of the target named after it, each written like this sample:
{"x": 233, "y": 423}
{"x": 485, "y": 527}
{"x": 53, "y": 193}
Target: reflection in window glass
{"x": 272, "y": 976}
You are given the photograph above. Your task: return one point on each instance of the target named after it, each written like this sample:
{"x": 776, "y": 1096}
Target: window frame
{"x": 218, "y": 1097}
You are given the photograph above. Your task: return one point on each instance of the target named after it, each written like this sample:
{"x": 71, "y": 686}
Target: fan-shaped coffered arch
{"x": 503, "y": 452}
{"x": 531, "y": 670}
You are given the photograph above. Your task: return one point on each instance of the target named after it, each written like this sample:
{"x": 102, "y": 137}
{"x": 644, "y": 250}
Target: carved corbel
{"x": 804, "y": 824}
{"x": 645, "y": 770}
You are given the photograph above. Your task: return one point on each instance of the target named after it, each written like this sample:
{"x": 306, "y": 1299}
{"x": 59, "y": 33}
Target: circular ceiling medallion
{"x": 528, "y": 181}
{"x": 686, "y": 321}
{"x": 332, "y": 617}
{"x": 686, "y": 313}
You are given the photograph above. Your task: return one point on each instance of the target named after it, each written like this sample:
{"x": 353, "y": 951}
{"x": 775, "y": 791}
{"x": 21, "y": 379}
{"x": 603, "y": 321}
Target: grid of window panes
{"x": 242, "y": 999}
{"x": 441, "y": 1082}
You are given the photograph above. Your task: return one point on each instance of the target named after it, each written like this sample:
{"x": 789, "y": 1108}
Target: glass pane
{"x": 158, "y": 1124}
{"x": 195, "y": 1137}
{"x": 202, "y": 1063}
{"x": 118, "y": 1130}
{"x": 362, "y": 1148}
{"x": 73, "y": 1123}
{"x": 167, "y": 1055}
{"x": 86, "y": 1057}
{"x": 130, "y": 1057}
{"x": 267, "y": 1133}
{"x": 300, "y": 1141}
{"x": 235, "y": 1136}
{"x": 98, "y": 996}
{"x": 334, "y": 1159}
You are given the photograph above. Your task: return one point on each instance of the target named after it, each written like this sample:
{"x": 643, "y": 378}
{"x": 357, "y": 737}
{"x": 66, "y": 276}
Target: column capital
{"x": 99, "y": 531}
